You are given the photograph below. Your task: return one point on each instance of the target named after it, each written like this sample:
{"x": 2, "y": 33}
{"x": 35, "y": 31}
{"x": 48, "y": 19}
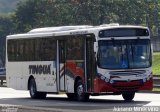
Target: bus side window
{"x": 75, "y": 49}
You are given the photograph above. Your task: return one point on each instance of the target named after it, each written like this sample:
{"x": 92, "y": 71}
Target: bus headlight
{"x": 106, "y": 80}
{"x": 111, "y": 81}
{"x": 144, "y": 80}
{"x": 148, "y": 78}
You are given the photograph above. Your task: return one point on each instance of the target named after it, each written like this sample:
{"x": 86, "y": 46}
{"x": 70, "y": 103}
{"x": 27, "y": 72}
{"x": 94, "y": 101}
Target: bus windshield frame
{"x": 124, "y": 54}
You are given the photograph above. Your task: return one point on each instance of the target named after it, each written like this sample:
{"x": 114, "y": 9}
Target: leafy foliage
{"x": 42, "y": 13}
{"x": 5, "y": 29}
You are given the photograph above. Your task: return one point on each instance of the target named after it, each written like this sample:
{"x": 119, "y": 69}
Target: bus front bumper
{"x": 122, "y": 86}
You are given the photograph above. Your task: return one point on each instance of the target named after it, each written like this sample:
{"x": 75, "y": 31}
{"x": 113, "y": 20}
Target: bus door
{"x": 61, "y": 65}
{"x": 90, "y": 60}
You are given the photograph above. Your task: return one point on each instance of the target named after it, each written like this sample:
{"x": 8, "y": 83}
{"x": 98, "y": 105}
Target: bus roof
{"x": 59, "y": 28}
{"x": 69, "y": 30}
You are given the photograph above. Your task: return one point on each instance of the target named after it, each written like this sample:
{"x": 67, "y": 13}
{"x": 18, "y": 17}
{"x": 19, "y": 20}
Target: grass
{"x": 156, "y": 63}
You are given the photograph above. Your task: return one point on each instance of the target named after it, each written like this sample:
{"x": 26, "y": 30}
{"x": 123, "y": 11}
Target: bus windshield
{"x": 124, "y": 54}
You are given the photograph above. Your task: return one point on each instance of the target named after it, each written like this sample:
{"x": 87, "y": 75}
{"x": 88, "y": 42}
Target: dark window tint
{"x": 39, "y": 49}
{"x": 75, "y": 49}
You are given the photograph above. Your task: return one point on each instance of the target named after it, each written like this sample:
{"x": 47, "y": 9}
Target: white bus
{"x": 80, "y": 61}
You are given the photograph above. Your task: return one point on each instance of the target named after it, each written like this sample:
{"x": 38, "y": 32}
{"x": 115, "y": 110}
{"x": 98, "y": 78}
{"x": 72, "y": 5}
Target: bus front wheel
{"x": 71, "y": 96}
{"x": 33, "y": 91}
{"x": 128, "y": 96}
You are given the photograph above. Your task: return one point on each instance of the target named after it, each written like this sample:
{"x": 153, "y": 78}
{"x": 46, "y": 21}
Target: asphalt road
{"x": 19, "y": 101}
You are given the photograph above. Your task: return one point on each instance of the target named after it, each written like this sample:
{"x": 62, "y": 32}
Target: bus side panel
{"x": 15, "y": 76}
{"x": 69, "y": 83}
{"x": 44, "y": 74}
{"x": 18, "y": 74}
{"x": 72, "y": 71}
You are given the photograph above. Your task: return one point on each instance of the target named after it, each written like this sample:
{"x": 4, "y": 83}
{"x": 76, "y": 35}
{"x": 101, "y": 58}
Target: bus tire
{"x": 128, "y": 96}
{"x": 42, "y": 95}
{"x": 79, "y": 92}
{"x": 33, "y": 90}
{"x": 71, "y": 96}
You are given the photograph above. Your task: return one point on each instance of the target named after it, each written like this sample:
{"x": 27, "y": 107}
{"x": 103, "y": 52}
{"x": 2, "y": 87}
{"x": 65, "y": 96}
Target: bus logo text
{"x": 39, "y": 69}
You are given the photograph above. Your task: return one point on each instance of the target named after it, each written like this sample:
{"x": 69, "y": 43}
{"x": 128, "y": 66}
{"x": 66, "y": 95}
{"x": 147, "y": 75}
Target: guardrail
{"x": 2, "y": 75}
{"x": 156, "y": 82}
{"x": 2, "y": 79}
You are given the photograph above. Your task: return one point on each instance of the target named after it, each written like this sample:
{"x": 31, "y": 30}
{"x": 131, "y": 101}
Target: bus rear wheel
{"x": 33, "y": 91}
{"x": 128, "y": 96}
{"x": 79, "y": 90}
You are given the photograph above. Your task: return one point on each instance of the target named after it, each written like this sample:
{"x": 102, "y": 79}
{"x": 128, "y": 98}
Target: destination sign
{"x": 123, "y": 32}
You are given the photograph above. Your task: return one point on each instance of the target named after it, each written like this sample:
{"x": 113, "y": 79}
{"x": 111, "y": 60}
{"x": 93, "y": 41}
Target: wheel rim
{"x": 80, "y": 90}
{"x": 32, "y": 89}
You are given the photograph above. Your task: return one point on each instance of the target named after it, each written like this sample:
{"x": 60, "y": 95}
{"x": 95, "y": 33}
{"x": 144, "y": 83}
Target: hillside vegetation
{"x": 156, "y": 63}
{"x": 7, "y": 6}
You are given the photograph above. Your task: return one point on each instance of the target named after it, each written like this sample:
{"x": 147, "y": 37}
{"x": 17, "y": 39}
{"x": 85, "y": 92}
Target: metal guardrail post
{"x": 1, "y": 81}
{"x": 2, "y": 78}
{"x": 156, "y": 82}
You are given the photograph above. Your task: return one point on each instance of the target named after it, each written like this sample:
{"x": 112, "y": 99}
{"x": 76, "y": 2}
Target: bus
{"x": 80, "y": 61}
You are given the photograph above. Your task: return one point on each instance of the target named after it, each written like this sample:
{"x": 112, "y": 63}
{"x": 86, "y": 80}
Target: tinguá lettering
{"x": 39, "y": 69}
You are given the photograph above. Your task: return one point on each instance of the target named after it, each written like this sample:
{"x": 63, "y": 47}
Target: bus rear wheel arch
{"x": 33, "y": 90}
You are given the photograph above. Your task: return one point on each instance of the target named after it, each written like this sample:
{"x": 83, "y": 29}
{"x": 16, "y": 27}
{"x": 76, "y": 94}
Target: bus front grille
{"x": 128, "y": 86}
{"x": 128, "y": 72}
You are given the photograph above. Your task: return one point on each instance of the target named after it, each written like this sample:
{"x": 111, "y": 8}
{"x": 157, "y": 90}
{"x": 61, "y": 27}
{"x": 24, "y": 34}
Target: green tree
{"x": 45, "y": 13}
{"x": 6, "y": 26}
